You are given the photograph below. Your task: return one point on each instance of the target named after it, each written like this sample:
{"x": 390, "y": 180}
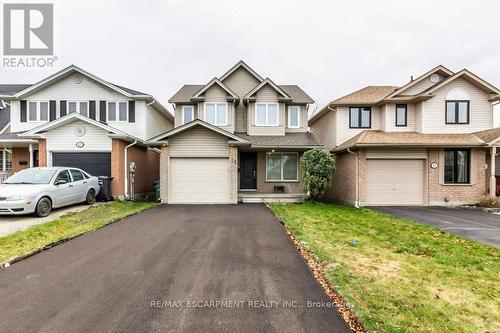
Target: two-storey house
{"x": 429, "y": 142}
{"x": 74, "y": 118}
{"x": 238, "y": 137}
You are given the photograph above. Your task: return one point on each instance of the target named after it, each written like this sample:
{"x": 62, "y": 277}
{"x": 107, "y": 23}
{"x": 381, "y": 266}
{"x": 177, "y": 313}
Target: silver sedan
{"x": 39, "y": 190}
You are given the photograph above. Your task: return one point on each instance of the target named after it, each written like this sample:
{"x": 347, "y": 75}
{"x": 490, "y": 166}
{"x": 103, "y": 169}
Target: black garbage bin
{"x": 105, "y": 185}
{"x": 156, "y": 186}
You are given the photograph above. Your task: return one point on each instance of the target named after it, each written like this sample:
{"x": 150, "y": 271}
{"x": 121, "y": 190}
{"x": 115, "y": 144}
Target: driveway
{"x": 11, "y": 224}
{"x": 476, "y": 225}
{"x": 148, "y": 273}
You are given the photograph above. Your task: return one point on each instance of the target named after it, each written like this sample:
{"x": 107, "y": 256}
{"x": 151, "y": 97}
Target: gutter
{"x": 356, "y": 202}
{"x": 126, "y": 194}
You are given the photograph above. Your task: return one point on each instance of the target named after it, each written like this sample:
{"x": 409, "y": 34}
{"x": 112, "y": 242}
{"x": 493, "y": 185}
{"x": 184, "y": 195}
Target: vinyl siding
{"x": 344, "y": 132}
{"x": 325, "y": 130}
{"x": 418, "y": 116}
{"x": 198, "y": 142}
{"x": 241, "y": 81}
{"x": 240, "y": 118}
{"x": 419, "y": 87}
{"x": 434, "y": 111}
{"x": 266, "y": 94}
{"x": 390, "y": 119}
{"x": 156, "y": 123}
{"x": 303, "y": 119}
{"x": 383, "y": 117}
{"x": 217, "y": 94}
{"x": 178, "y": 113}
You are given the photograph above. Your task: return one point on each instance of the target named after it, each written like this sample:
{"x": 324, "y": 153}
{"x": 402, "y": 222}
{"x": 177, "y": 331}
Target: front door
{"x": 248, "y": 170}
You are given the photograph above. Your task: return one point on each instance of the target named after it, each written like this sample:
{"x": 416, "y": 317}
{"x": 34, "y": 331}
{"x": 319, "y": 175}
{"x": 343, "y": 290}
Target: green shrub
{"x": 318, "y": 169}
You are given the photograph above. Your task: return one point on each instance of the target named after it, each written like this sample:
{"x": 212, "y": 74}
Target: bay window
{"x": 282, "y": 166}
{"x": 187, "y": 114}
{"x": 457, "y": 166}
{"x": 294, "y": 116}
{"x": 216, "y": 113}
{"x": 266, "y": 114}
{"x": 457, "y": 112}
{"x": 360, "y": 117}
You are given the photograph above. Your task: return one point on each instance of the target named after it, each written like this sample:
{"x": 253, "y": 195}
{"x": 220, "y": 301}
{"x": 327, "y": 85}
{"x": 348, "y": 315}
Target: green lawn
{"x": 400, "y": 276}
{"x": 37, "y": 237}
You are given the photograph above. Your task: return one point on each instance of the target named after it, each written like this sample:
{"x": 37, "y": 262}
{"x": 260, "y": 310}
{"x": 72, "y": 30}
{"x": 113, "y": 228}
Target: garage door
{"x": 394, "y": 182}
{"x": 199, "y": 180}
{"x": 96, "y": 164}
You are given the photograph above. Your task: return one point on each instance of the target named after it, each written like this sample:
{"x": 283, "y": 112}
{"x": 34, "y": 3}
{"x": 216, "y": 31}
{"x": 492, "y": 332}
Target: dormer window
{"x": 216, "y": 113}
{"x": 360, "y": 117}
{"x": 401, "y": 115}
{"x": 187, "y": 114}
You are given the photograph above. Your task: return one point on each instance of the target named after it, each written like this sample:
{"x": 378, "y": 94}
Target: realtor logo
{"x": 28, "y": 29}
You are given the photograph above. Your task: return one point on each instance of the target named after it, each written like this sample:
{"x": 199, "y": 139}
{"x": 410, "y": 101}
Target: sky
{"x": 328, "y": 48}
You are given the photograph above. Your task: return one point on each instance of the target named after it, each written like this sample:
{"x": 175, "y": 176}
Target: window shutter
{"x": 63, "y": 108}
{"x": 23, "y": 112}
{"x": 92, "y": 109}
{"x": 52, "y": 112}
{"x": 102, "y": 111}
{"x": 131, "y": 111}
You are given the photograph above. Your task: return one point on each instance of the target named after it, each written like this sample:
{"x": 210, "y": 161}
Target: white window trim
{"x": 215, "y": 103}
{"x": 117, "y": 110}
{"x": 298, "y": 115}
{"x": 78, "y": 106}
{"x": 267, "y": 114}
{"x": 3, "y": 166}
{"x": 182, "y": 113}
{"x": 37, "y": 111}
{"x": 283, "y": 180}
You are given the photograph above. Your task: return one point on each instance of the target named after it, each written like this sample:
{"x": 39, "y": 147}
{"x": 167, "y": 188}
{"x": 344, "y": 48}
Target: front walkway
{"x": 169, "y": 269}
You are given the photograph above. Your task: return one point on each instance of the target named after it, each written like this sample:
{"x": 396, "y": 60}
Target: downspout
{"x": 126, "y": 168}
{"x": 356, "y": 203}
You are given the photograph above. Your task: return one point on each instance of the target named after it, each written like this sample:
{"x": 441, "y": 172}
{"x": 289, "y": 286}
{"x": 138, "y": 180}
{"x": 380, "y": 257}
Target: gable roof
{"x": 4, "y": 117}
{"x": 8, "y": 90}
{"x": 211, "y": 83}
{"x": 239, "y": 64}
{"x": 489, "y": 136}
{"x": 273, "y": 85}
{"x": 438, "y": 69}
{"x": 197, "y": 122}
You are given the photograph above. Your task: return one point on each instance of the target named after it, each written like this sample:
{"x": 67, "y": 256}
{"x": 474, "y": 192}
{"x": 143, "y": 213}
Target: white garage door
{"x": 199, "y": 180}
{"x": 394, "y": 182}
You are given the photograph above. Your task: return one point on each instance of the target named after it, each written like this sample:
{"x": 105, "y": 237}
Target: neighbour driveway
{"x": 164, "y": 270}
{"x": 476, "y": 225}
{"x": 11, "y": 224}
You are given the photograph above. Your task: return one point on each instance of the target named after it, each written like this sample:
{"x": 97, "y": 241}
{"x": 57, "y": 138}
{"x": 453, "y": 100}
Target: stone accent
{"x": 233, "y": 172}
{"x": 164, "y": 174}
{"x": 18, "y": 155}
{"x": 42, "y": 152}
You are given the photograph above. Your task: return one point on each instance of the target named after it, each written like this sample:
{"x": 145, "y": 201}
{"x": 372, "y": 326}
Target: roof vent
{"x": 78, "y": 79}
{"x": 411, "y": 78}
{"x": 435, "y": 78}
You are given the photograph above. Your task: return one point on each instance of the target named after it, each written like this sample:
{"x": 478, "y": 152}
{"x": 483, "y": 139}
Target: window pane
{"x": 290, "y": 166}
{"x": 2, "y": 152}
{"x": 77, "y": 175}
{"x": 365, "y": 117}
{"x": 272, "y": 114}
{"x": 221, "y": 114}
{"x": 449, "y": 170}
{"x": 450, "y": 112}
{"x": 273, "y": 167}
{"x": 71, "y": 107}
{"x": 44, "y": 111}
{"x": 188, "y": 114}
{"x": 354, "y": 117}
{"x": 84, "y": 109}
{"x": 261, "y": 114}
{"x": 8, "y": 161}
{"x": 293, "y": 116}
{"x": 210, "y": 113}
{"x": 401, "y": 115}
{"x": 32, "y": 111}
{"x": 63, "y": 175}
{"x": 462, "y": 166}
{"x": 122, "y": 111}
{"x": 112, "y": 111}
{"x": 462, "y": 112}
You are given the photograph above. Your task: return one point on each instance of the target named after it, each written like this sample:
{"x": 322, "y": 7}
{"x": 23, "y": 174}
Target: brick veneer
{"x": 18, "y": 155}
{"x": 343, "y": 187}
{"x": 164, "y": 174}
{"x": 268, "y": 187}
{"x": 42, "y": 152}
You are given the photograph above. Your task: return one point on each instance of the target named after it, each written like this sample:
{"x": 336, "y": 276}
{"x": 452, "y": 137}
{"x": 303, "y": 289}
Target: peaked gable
{"x": 268, "y": 82}
{"x": 241, "y": 81}
{"x": 241, "y": 64}
{"x": 214, "y": 81}
{"x": 423, "y": 82}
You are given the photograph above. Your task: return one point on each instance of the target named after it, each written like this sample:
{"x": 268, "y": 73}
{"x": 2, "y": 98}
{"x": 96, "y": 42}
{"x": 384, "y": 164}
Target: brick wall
{"x": 42, "y": 152}
{"x": 18, "y": 155}
{"x": 343, "y": 187}
{"x": 117, "y": 165}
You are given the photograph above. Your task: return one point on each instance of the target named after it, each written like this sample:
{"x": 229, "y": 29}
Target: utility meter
{"x": 132, "y": 167}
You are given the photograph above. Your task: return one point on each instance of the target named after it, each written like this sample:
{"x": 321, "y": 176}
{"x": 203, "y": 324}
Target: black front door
{"x": 248, "y": 170}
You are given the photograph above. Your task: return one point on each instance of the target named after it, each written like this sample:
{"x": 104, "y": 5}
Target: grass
{"x": 37, "y": 237}
{"x": 400, "y": 276}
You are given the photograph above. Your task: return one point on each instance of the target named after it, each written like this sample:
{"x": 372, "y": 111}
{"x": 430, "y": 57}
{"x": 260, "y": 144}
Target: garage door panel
{"x": 394, "y": 182}
{"x": 199, "y": 180}
{"x": 96, "y": 164}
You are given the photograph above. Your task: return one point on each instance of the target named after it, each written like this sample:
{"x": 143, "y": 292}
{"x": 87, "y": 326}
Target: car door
{"x": 80, "y": 186}
{"x": 64, "y": 189}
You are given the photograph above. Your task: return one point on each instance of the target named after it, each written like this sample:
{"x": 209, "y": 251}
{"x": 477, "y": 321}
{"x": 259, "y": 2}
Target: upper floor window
{"x": 117, "y": 111}
{"x": 79, "y": 107}
{"x": 216, "y": 113}
{"x": 360, "y": 117}
{"x": 457, "y": 166}
{"x": 457, "y": 112}
{"x": 38, "y": 111}
{"x": 294, "y": 116}
{"x": 187, "y": 114}
{"x": 401, "y": 115}
{"x": 266, "y": 114}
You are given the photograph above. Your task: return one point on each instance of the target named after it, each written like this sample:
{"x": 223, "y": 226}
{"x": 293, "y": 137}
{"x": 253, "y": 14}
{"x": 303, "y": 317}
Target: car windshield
{"x": 31, "y": 176}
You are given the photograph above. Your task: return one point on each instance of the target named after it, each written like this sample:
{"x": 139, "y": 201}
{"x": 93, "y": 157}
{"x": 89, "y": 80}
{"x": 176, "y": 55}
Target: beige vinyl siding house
{"x": 442, "y": 153}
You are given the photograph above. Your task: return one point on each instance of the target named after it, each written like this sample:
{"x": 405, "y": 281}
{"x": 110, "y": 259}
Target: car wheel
{"x": 43, "y": 207}
{"x": 90, "y": 199}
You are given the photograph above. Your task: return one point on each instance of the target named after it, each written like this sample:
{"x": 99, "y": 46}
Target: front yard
{"x": 397, "y": 275}
{"x": 25, "y": 242}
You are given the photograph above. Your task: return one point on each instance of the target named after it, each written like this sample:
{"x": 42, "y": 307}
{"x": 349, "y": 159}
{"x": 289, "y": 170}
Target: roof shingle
{"x": 290, "y": 140}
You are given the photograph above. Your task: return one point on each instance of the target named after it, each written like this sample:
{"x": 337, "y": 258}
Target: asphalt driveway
{"x": 196, "y": 268}
{"x": 476, "y": 225}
